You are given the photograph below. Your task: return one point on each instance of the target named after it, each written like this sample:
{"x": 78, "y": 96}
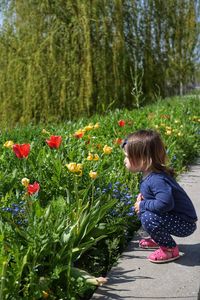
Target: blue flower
{"x": 8, "y": 209}
{"x": 16, "y": 211}
{"x": 130, "y": 214}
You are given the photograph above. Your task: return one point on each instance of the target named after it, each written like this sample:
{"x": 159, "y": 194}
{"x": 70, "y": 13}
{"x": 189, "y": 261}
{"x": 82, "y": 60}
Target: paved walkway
{"x": 136, "y": 278}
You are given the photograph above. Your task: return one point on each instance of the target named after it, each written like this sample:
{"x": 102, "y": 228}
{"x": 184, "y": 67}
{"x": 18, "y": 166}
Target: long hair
{"x": 147, "y": 148}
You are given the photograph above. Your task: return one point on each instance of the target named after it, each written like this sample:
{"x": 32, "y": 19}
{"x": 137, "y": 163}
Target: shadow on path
{"x": 191, "y": 255}
{"x": 119, "y": 276}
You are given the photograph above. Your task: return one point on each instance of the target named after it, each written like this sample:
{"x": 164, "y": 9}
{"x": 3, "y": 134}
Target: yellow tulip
{"x": 107, "y": 149}
{"x": 96, "y": 157}
{"x": 96, "y": 280}
{"x": 79, "y": 133}
{"x": 96, "y": 125}
{"x": 79, "y": 169}
{"x": 168, "y": 132}
{"x": 25, "y": 181}
{"x": 90, "y": 156}
{"x": 93, "y": 174}
{"x": 71, "y": 167}
{"x": 75, "y": 168}
{"x": 44, "y": 131}
{"x": 89, "y": 127}
{"x": 8, "y": 144}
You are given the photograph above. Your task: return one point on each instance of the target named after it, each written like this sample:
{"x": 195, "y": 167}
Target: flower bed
{"x": 67, "y": 200}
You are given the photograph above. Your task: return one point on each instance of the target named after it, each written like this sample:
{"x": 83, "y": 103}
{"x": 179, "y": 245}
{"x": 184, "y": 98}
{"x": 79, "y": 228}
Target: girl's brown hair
{"x": 147, "y": 147}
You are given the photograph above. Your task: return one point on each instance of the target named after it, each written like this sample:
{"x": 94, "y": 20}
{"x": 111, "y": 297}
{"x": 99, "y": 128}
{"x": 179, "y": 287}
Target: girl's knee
{"x": 150, "y": 221}
{"x": 146, "y": 219}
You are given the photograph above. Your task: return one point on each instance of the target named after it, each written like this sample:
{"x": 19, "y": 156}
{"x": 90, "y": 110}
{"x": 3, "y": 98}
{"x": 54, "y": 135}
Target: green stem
{"x": 3, "y": 279}
{"x": 92, "y": 196}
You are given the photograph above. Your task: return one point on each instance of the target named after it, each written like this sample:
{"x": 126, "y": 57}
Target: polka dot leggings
{"x": 160, "y": 227}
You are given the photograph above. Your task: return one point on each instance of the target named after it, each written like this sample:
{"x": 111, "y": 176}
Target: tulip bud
{"x": 25, "y": 181}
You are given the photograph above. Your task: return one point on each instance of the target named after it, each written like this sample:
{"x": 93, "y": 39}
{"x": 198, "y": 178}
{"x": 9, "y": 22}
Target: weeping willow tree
{"x": 64, "y": 59}
{"x": 163, "y": 43}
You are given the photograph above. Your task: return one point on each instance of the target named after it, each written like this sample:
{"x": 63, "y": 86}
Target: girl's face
{"x": 130, "y": 165}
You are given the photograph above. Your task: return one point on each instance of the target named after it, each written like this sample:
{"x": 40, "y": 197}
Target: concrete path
{"x": 136, "y": 278}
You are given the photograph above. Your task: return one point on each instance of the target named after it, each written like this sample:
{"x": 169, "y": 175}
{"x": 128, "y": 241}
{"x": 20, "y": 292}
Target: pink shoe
{"x": 164, "y": 254}
{"x": 148, "y": 243}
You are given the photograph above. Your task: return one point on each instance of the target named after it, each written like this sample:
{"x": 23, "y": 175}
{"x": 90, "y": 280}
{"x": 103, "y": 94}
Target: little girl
{"x": 163, "y": 206}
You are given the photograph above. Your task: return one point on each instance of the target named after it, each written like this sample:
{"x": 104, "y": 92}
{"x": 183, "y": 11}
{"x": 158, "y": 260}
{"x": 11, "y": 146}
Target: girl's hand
{"x": 137, "y": 206}
{"x": 140, "y": 197}
{"x": 137, "y": 203}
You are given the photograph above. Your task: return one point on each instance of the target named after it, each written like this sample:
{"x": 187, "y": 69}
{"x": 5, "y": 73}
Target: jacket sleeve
{"x": 162, "y": 201}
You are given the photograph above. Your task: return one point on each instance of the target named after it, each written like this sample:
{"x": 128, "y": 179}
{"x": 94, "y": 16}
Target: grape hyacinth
{"x": 16, "y": 212}
{"x": 125, "y": 205}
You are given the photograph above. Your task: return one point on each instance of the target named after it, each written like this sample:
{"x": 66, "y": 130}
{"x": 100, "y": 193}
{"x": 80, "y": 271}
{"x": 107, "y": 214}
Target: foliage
{"x": 66, "y": 59}
{"x": 72, "y": 198}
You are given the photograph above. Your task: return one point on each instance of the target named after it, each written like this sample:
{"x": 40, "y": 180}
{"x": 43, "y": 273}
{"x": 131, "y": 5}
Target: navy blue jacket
{"x": 163, "y": 194}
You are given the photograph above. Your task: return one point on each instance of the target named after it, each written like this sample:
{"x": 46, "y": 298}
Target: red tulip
{"x": 33, "y": 188}
{"x": 78, "y": 135}
{"x": 121, "y": 123}
{"x": 21, "y": 150}
{"x": 118, "y": 141}
{"x": 54, "y": 141}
